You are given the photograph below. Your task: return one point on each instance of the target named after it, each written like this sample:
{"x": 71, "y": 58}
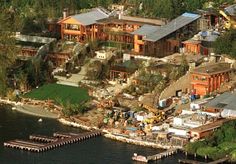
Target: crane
{"x": 230, "y": 22}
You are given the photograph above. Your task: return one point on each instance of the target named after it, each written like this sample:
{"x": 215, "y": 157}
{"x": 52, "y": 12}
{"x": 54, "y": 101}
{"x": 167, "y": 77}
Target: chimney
{"x": 65, "y": 13}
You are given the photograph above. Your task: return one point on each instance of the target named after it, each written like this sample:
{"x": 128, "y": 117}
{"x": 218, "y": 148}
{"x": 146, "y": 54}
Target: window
{"x": 203, "y": 78}
{"x": 140, "y": 37}
{"x": 72, "y": 27}
{"x": 195, "y": 78}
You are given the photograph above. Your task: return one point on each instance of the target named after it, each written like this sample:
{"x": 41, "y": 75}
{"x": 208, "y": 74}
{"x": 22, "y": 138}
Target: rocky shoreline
{"x": 112, "y": 136}
{"x": 107, "y": 134}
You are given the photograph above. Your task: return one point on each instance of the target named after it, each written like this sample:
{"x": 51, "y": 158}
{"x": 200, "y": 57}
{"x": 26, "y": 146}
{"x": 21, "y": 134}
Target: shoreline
{"x": 32, "y": 110}
{"x": 35, "y": 112}
{"x": 109, "y": 135}
{"x": 22, "y": 108}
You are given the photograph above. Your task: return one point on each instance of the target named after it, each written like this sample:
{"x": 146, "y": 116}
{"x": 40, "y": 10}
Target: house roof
{"x": 231, "y": 10}
{"x": 128, "y": 66}
{"x": 208, "y": 11}
{"x": 146, "y": 30}
{"x": 203, "y": 36}
{"x": 208, "y": 127}
{"x": 157, "y": 22}
{"x": 118, "y": 21}
{"x": 192, "y": 41}
{"x": 172, "y": 26}
{"x": 224, "y": 101}
{"x": 131, "y": 20}
{"x": 213, "y": 68}
{"x": 90, "y": 17}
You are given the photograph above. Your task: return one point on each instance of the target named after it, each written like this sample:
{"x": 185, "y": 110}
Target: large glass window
{"x": 72, "y": 27}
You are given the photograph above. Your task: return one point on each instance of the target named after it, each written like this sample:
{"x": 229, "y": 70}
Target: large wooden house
{"x": 150, "y": 37}
{"x": 82, "y": 27}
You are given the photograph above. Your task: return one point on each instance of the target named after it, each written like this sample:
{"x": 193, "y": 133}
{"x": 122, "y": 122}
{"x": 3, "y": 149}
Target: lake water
{"x": 14, "y": 125}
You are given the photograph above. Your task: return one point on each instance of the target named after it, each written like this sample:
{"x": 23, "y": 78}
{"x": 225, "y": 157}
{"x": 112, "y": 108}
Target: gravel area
{"x": 35, "y": 110}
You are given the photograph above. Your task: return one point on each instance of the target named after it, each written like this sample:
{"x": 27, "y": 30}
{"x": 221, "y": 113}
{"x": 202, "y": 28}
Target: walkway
{"x": 75, "y": 78}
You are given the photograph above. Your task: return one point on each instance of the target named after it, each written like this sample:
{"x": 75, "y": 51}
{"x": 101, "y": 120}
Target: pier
{"x": 62, "y": 135}
{"x": 155, "y": 157}
{"x": 41, "y": 138}
{"x": 58, "y": 140}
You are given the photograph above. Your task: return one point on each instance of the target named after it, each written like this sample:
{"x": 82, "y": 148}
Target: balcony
{"x": 72, "y": 32}
{"x": 199, "y": 82}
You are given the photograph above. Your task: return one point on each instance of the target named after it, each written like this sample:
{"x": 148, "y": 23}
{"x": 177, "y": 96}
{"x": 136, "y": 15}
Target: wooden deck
{"x": 155, "y": 157}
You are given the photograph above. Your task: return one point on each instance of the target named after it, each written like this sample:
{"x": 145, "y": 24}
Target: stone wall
{"x": 182, "y": 83}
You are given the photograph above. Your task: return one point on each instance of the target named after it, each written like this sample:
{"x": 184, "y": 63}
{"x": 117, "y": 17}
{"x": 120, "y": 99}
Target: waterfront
{"x": 94, "y": 151}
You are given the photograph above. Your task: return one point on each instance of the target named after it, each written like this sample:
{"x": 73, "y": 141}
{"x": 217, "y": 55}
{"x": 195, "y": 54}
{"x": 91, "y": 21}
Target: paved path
{"x": 75, "y": 78}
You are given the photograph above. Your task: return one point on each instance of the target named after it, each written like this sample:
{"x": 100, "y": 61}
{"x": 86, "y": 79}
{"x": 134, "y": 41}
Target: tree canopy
{"x": 218, "y": 145}
{"x": 8, "y": 24}
{"x": 149, "y": 8}
{"x": 226, "y": 44}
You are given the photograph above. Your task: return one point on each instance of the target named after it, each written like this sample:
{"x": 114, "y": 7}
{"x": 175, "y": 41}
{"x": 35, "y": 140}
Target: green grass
{"x": 63, "y": 93}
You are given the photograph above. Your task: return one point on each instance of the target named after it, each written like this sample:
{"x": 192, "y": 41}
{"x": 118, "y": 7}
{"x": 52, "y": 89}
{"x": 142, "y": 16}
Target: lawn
{"x": 74, "y": 95}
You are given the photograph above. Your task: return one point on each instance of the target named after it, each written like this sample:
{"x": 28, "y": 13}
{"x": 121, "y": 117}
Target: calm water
{"x": 14, "y": 125}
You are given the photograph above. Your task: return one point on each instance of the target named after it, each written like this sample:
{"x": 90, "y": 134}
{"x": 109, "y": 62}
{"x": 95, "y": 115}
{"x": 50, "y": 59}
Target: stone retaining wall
{"x": 182, "y": 83}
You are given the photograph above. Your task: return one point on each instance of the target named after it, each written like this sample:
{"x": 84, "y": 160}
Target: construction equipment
{"x": 149, "y": 108}
{"x": 153, "y": 120}
{"x": 230, "y": 22}
{"x": 159, "y": 114}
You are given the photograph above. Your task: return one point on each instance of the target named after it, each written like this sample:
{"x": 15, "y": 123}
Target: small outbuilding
{"x": 225, "y": 103}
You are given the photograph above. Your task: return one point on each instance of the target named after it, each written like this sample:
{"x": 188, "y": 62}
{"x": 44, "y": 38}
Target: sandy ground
{"x": 36, "y": 111}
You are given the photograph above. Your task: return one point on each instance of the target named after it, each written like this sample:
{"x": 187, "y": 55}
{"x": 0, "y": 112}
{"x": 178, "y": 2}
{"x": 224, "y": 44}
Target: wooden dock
{"x": 62, "y": 135}
{"x": 155, "y": 157}
{"x": 41, "y": 138}
{"x": 187, "y": 161}
{"x": 60, "y": 139}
